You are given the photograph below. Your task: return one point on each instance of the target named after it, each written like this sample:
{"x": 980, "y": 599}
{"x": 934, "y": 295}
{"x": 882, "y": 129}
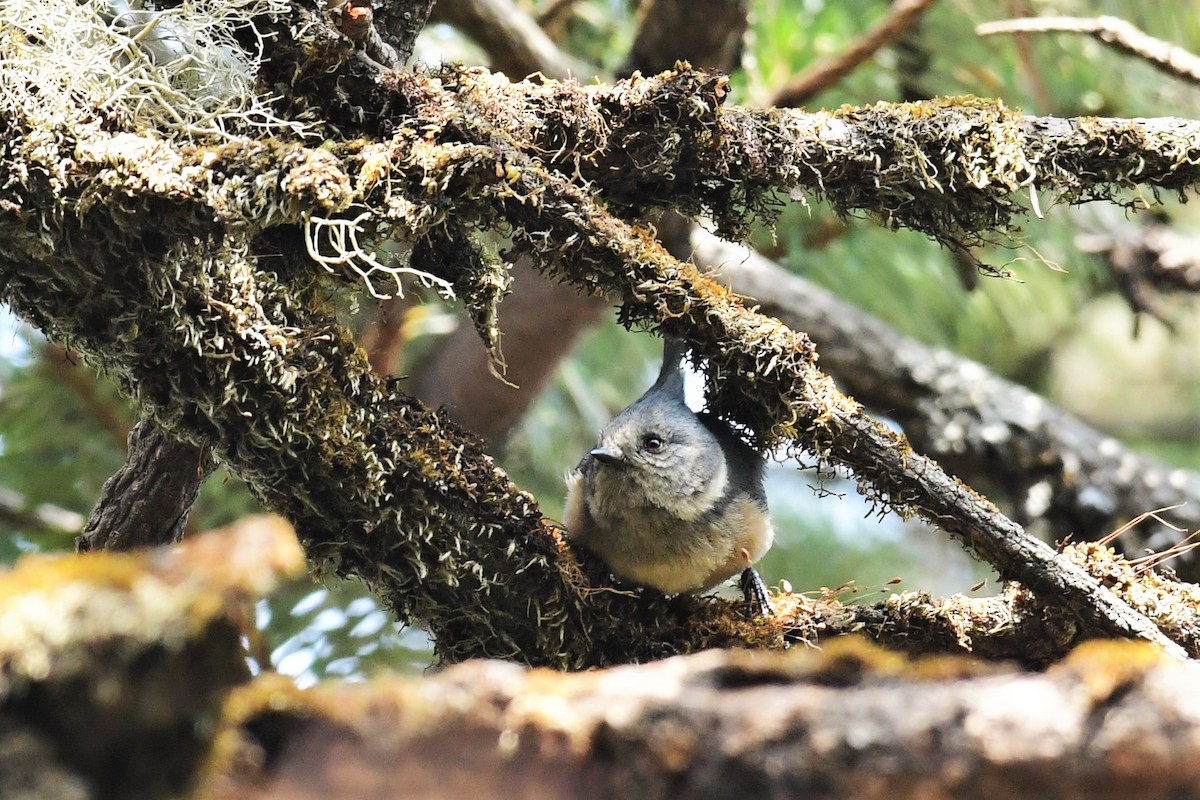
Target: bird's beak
{"x": 607, "y": 455}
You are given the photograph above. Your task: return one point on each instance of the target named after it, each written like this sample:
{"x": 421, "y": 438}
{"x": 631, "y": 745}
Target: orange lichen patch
{"x": 1104, "y": 667}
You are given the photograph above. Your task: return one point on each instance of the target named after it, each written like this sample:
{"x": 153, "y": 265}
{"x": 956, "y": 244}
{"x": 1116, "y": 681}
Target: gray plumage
{"x": 669, "y": 498}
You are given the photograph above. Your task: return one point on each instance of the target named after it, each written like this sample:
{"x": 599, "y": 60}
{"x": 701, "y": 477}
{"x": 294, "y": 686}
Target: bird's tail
{"x": 670, "y": 376}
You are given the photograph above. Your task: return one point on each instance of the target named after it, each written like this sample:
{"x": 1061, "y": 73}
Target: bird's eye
{"x": 653, "y": 443}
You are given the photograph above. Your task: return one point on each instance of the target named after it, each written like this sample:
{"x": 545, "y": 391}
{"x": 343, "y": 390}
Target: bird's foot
{"x": 758, "y": 597}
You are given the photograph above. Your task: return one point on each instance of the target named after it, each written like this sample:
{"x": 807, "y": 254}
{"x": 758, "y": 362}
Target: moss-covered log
{"x": 113, "y": 667}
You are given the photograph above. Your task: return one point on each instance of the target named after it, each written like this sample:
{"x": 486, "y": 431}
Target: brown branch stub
{"x": 901, "y": 16}
{"x": 1119, "y": 34}
{"x": 147, "y": 501}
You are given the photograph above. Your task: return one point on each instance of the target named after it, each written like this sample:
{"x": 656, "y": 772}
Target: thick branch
{"x": 951, "y": 168}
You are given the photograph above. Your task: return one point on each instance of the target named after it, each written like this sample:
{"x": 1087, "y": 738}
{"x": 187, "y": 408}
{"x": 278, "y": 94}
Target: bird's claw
{"x": 758, "y": 597}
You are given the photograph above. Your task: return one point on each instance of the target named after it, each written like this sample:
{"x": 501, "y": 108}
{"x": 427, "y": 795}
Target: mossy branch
{"x": 184, "y": 272}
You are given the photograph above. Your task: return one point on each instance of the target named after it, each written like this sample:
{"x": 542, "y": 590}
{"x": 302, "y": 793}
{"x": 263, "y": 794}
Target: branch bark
{"x": 147, "y": 501}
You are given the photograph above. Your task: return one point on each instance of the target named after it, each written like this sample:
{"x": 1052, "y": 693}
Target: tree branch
{"x": 901, "y": 16}
{"x": 1118, "y": 34}
{"x": 146, "y": 502}
{"x": 1114, "y": 720}
{"x": 984, "y": 429}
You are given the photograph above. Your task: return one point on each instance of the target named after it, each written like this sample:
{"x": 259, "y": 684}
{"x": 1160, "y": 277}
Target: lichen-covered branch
{"x": 951, "y": 168}
{"x": 117, "y": 664}
{"x": 986, "y": 430}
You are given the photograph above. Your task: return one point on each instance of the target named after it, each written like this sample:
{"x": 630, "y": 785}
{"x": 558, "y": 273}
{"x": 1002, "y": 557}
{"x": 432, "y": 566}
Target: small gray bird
{"x": 672, "y": 499}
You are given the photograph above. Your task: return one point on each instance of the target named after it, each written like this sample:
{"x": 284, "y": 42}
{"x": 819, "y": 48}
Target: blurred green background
{"x": 1057, "y": 326}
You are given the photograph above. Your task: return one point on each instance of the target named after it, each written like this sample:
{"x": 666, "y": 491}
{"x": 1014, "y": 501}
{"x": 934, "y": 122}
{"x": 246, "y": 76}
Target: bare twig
{"x": 820, "y": 76}
{"x": 1116, "y": 33}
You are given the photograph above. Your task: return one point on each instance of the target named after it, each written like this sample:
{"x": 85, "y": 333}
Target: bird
{"x": 672, "y": 499}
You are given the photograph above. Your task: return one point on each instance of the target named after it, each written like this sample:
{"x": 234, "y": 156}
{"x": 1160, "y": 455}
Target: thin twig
{"x": 820, "y": 76}
{"x": 1116, "y": 33}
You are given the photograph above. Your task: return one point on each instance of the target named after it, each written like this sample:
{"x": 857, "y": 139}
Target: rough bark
{"x": 147, "y": 501}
